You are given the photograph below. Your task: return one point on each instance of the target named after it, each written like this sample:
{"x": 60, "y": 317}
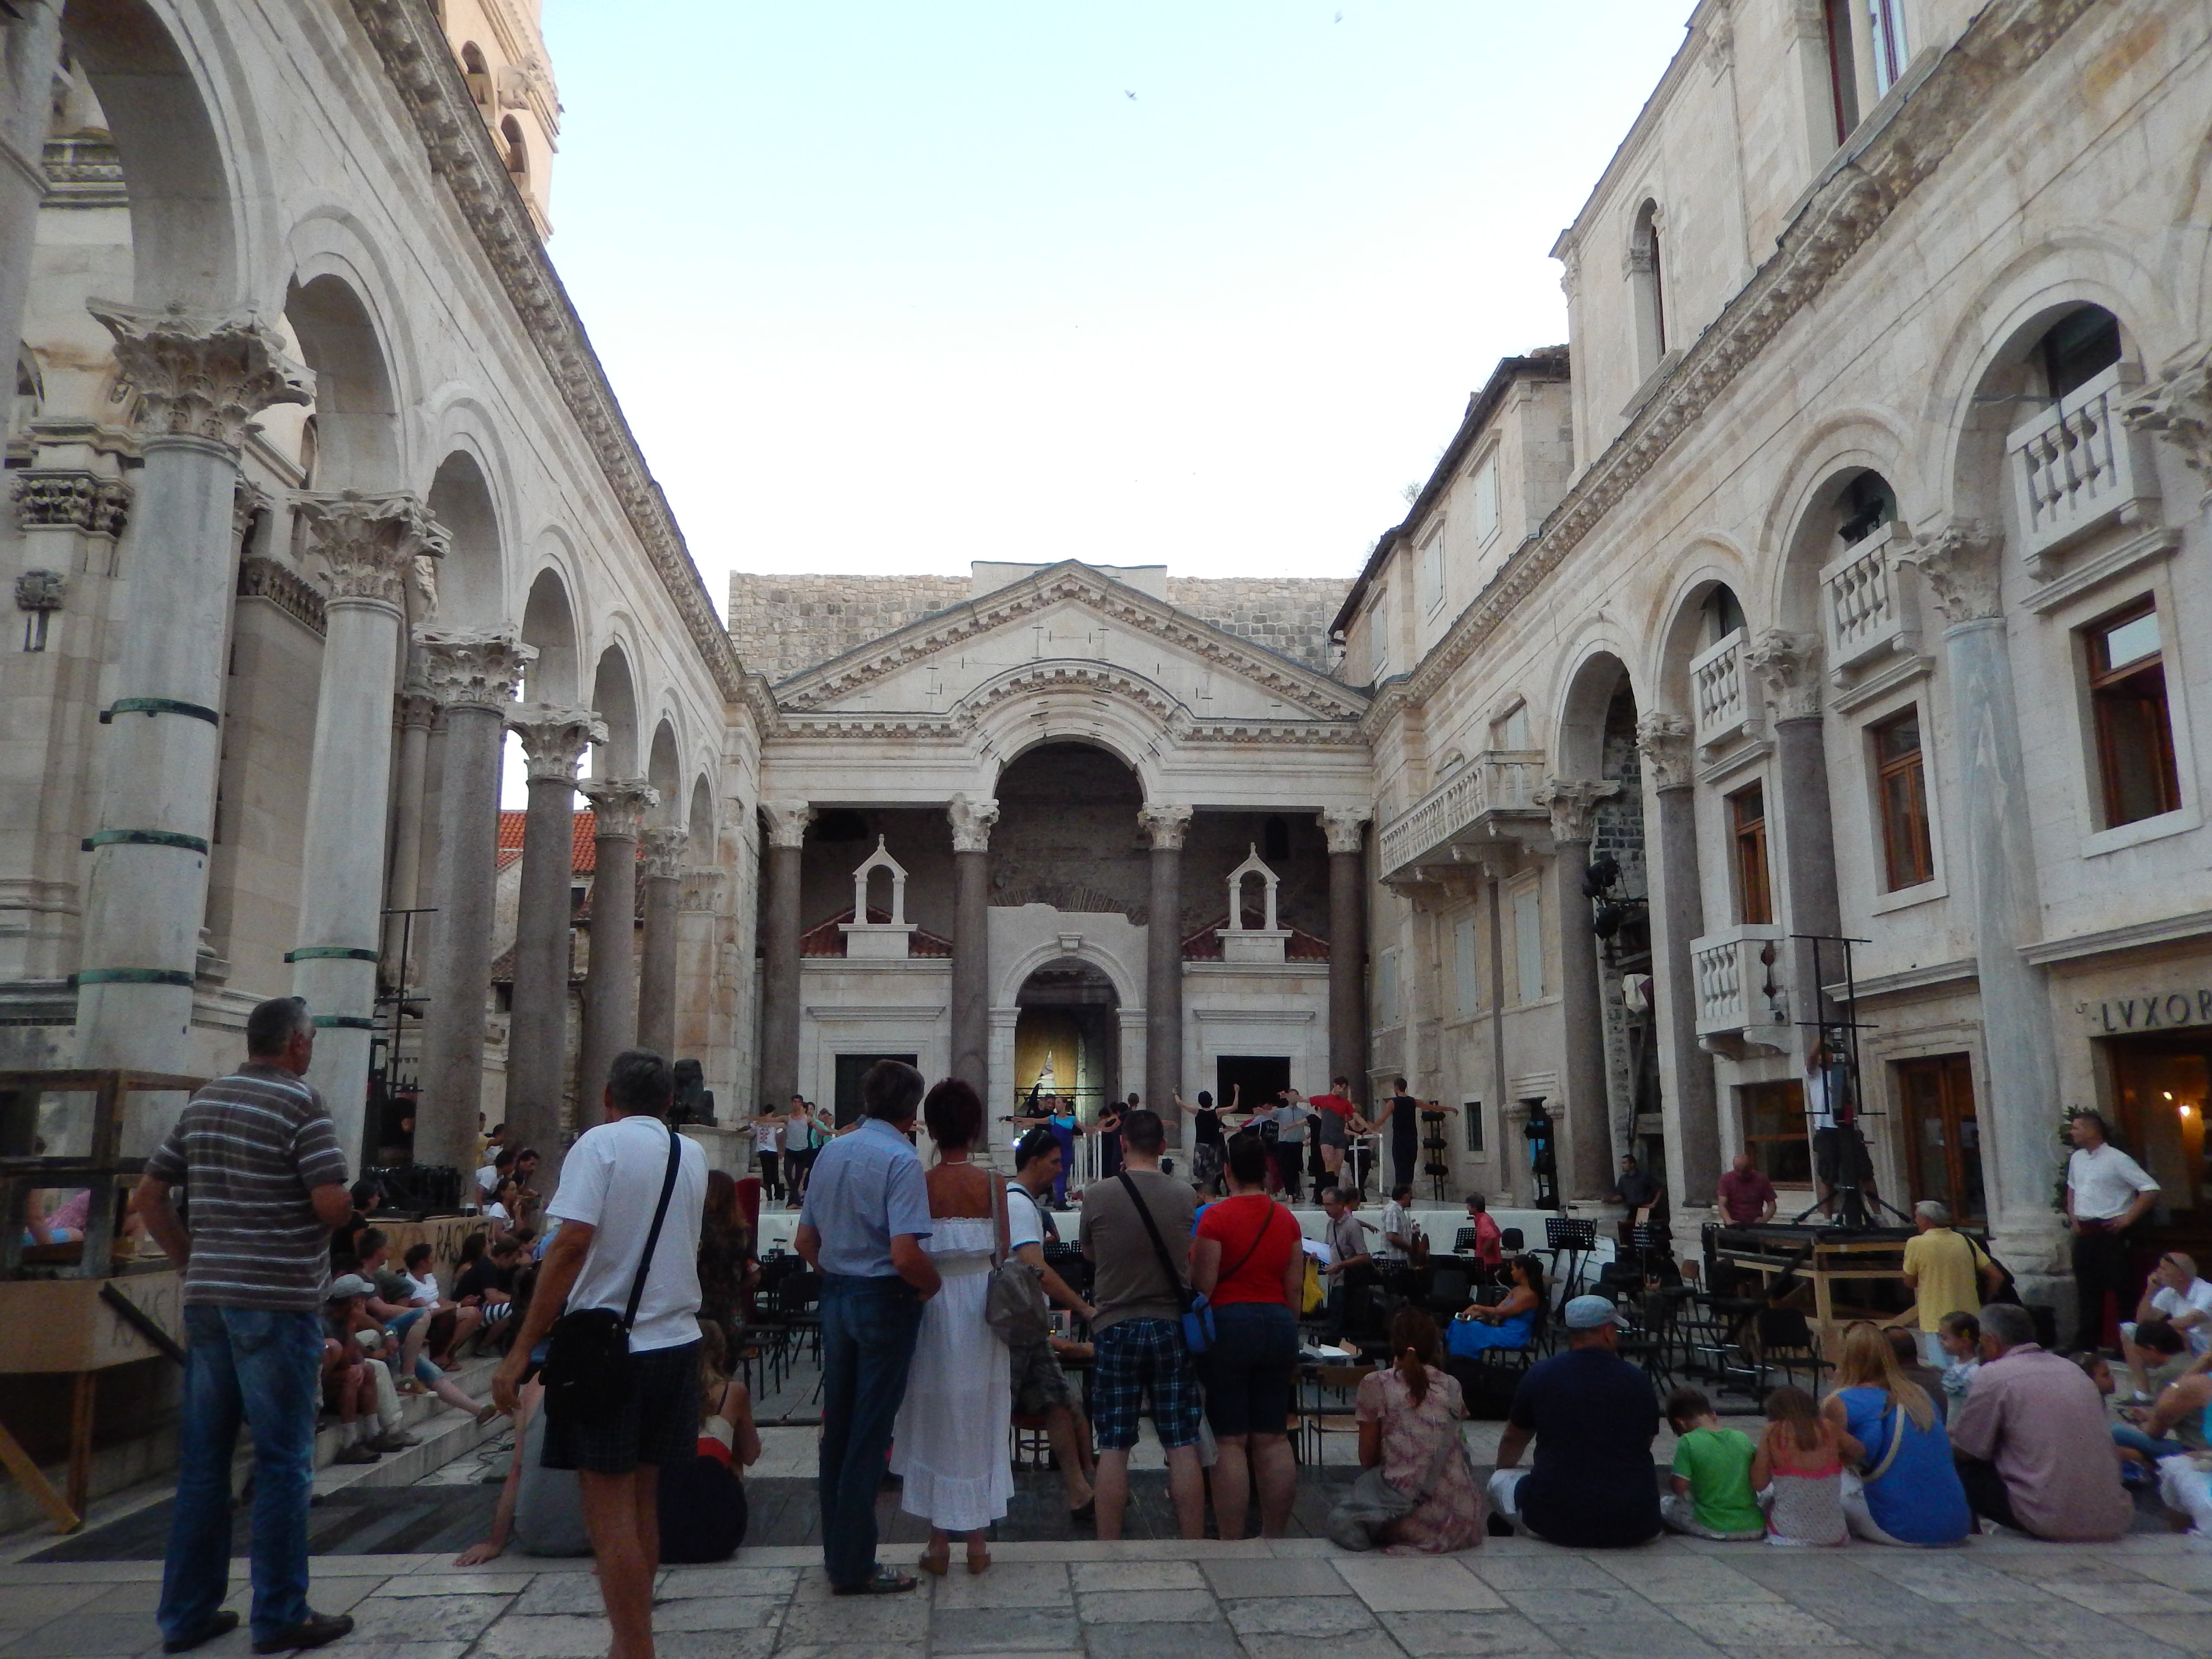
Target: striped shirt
{"x": 246, "y": 1151}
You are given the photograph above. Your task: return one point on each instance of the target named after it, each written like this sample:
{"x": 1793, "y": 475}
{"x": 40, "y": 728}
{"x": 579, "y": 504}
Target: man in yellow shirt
{"x": 1948, "y": 1272}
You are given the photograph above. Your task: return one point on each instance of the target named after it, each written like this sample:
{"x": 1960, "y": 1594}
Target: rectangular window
{"x": 1774, "y": 1131}
{"x": 1908, "y": 855}
{"x": 1378, "y": 636}
{"x": 1432, "y": 573}
{"x": 1510, "y": 729}
{"x": 1472, "y": 1111}
{"x": 2134, "y": 736}
{"x": 1485, "y": 493}
{"x": 1886, "y": 18}
{"x": 1466, "y": 983}
{"x": 1386, "y": 989}
{"x": 1528, "y": 942}
{"x": 1754, "y": 898}
{"x": 1943, "y": 1133}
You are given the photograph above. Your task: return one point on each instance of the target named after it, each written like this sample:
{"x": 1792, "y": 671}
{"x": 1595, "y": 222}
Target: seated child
{"x": 1800, "y": 1467}
{"x": 1962, "y": 1341}
{"x": 1711, "y": 1495}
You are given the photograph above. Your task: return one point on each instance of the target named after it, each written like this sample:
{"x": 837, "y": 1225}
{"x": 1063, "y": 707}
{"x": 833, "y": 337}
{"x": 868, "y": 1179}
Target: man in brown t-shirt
{"x": 1137, "y": 1329}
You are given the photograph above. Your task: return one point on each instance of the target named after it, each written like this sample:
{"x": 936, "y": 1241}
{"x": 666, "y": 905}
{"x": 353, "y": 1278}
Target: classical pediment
{"x": 1066, "y": 629}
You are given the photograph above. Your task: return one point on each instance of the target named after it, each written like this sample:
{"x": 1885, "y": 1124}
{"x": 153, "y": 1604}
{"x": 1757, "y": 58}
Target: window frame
{"x": 1429, "y": 571}
{"x": 1746, "y": 835}
{"x": 1525, "y": 899}
{"x": 1885, "y": 774}
{"x": 1483, "y": 498}
{"x": 1796, "y": 1133}
{"x": 2100, "y": 680}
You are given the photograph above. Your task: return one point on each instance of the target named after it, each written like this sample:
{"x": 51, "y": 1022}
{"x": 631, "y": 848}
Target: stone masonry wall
{"x": 785, "y": 625}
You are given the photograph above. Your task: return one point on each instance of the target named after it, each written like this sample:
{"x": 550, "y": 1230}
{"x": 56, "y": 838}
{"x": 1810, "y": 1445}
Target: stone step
{"x": 446, "y": 1433}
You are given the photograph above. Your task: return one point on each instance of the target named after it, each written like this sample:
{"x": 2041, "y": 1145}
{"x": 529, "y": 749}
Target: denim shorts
{"x": 1138, "y": 1358}
{"x": 1250, "y": 1368}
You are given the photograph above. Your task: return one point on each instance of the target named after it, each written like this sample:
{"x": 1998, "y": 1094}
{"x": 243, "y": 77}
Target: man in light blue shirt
{"x": 865, "y": 1215}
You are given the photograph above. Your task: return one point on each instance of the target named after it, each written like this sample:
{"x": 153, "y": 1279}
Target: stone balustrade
{"x": 1721, "y": 704}
{"x": 1497, "y": 780}
{"x": 1870, "y": 603}
{"x": 1742, "y": 994}
{"x": 2076, "y": 468}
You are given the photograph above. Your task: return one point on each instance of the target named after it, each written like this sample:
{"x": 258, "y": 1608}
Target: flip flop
{"x": 885, "y": 1582}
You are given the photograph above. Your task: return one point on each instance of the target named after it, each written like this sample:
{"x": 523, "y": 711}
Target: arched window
{"x": 517, "y": 153}
{"x": 477, "y": 74}
{"x": 2077, "y": 348}
{"x": 1648, "y": 282}
{"x": 1867, "y": 503}
{"x": 1723, "y": 613}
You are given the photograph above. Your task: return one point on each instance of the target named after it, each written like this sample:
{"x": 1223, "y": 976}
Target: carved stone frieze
{"x": 1663, "y": 741}
{"x": 787, "y": 821}
{"x": 2178, "y": 407}
{"x": 619, "y": 807}
{"x": 2003, "y": 42}
{"x": 703, "y": 887}
{"x": 665, "y": 846}
{"x": 1573, "y": 803}
{"x": 284, "y": 588}
{"x": 1165, "y": 823}
{"x": 1346, "y": 828}
{"x": 54, "y": 498}
{"x": 1959, "y": 565}
{"x": 472, "y": 668}
{"x": 370, "y": 544}
{"x": 554, "y": 738}
{"x": 200, "y": 376}
{"x": 1787, "y": 667}
{"x": 972, "y": 818}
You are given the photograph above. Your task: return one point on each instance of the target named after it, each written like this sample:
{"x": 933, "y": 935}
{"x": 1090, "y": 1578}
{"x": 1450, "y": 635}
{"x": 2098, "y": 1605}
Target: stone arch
{"x": 549, "y": 622}
{"x": 614, "y": 694}
{"x": 187, "y": 230}
{"x": 472, "y": 576}
{"x": 1801, "y": 519}
{"x": 1128, "y": 978}
{"x": 701, "y": 820}
{"x": 356, "y": 407}
{"x": 1578, "y": 726}
{"x": 1685, "y": 623}
{"x": 664, "y": 770}
{"x": 1107, "y": 708}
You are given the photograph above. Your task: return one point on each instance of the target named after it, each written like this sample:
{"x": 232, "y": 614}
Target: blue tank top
{"x": 1919, "y": 1499}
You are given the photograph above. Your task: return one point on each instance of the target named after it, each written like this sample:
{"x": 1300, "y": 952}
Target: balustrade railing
{"x": 1738, "y": 973}
{"x": 2076, "y": 468}
{"x": 1721, "y": 704}
{"x": 1497, "y": 780}
{"x": 1870, "y": 602}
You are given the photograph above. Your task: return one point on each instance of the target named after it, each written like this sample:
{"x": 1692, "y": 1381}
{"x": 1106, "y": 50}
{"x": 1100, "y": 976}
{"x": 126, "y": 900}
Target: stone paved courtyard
{"x": 2148, "y": 1597}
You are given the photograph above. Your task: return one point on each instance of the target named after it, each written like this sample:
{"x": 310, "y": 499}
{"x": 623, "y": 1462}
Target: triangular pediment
{"x": 1068, "y": 624}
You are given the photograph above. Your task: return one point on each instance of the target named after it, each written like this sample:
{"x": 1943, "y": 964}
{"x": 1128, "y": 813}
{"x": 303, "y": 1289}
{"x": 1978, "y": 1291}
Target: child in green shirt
{"x": 1711, "y": 1494}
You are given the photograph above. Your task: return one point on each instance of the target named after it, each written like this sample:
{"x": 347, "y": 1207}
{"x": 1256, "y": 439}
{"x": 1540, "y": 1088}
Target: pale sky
{"x": 886, "y": 286}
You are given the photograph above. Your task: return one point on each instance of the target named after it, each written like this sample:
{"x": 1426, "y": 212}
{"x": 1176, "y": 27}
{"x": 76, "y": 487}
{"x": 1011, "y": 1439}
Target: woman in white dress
{"x": 950, "y": 1442}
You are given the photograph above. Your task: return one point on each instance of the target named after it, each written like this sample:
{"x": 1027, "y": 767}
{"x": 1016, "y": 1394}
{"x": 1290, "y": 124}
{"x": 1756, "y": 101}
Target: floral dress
{"x": 1450, "y": 1516}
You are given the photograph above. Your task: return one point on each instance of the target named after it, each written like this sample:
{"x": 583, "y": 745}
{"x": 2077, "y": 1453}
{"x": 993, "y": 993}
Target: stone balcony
{"x": 1741, "y": 972}
{"x": 1497, "y": 785}
{"x": 1722, "y": 709}
{"x": 2076, "y": 469}
{"x": 1869, "y": 605}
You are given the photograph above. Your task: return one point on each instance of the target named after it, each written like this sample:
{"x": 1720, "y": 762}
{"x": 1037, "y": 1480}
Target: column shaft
{"x": 1164, "y": 985}
{"x": 1347, "y": 969}
{"x": 460, "y": 956}
{"x": 618, "y": 806}
{"x": 664, "y": 899}
{"x": 1693, "y": 1138}
{"x": 402, "y": 892}
{"x": 30, "y": 47}
{"x": 1809, "y": 866}
{"x": 1586, "y": 1172}
{"x": 779, "y": 1040}
{"x": 537, "y": 1028}
{"x": 971, "y": 970}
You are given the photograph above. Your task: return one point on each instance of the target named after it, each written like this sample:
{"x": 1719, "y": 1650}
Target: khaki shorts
{"x": 1039, "y": 1382}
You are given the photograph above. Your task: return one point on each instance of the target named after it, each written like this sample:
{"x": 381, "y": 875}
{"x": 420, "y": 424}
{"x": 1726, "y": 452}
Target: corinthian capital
{"x": 554, "y": 738}
{"x": 1958, "y": 562}
{"x": 473, "y": 668}
{"x": 1346, "y": 828}
{"x": 787, "y": 821}
{"x": 1788, "y": 669}
{"x": 202, "y": 377}
{"x": 2178, "y": 407}
{"x": 370, "y": 543}
{"x": 1165, "y": 823}
{"x": 972, "y": 820}
{"x": 1572, "y": 803}
{"x": 619, "y": 807}
{"x": 664, "y": 844}
{"x": 1662, "y": 739}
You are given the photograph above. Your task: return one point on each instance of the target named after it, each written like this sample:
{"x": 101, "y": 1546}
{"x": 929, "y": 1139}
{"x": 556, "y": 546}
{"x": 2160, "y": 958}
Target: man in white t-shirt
{"x": 610, "y": 1187}
{"x": 2107, "y": 1192}
{"x": 2176, "y": 1294}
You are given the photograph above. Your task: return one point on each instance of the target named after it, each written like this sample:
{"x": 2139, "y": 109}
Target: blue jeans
{"x": 262, "y": 1368}
{"x": 868, "y": 1328}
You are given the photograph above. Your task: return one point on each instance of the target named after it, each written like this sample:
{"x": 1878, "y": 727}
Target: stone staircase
{"x": 446, "y": 1432}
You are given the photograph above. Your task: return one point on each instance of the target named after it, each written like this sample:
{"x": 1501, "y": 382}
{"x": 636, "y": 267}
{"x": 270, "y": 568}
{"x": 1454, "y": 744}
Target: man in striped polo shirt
{"x": 266, "y": 1183}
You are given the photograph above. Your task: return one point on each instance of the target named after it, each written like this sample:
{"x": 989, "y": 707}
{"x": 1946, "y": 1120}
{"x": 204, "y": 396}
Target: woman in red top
{"x": 1248, "y": 1257}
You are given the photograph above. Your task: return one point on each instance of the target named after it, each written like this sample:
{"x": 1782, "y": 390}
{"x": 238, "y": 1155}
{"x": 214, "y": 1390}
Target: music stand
{"x": 1574, "y": 1238}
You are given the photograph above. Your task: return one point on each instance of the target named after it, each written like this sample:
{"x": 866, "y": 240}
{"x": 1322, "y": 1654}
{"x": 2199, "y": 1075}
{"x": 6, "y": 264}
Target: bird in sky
{"x": 1131, "y": 96}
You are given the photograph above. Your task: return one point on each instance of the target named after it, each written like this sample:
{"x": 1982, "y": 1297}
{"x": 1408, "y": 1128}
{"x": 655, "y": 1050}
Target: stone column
{"x": 553, "y": 739}
{"x": 971, "y": 928}
{"x": 664, "y": 895}
{"x": 1960, "y": 567}
{"x": 1586, "y": 1161}
{"x": 201, "y": 380}
{"x": 779, "y": 930}
{"x": 30, "y": 49}
{"x": 1678, "y": 915}
{"x": 413, "y": 711}
{"x": 474, "y": 676}
{"x": 618, "y": 810}
{"x": 1165, "y": 824}
{"x": 1787, "y": 668}
{"x": 1347, "y": 945}
{"x": 369, "y": 545}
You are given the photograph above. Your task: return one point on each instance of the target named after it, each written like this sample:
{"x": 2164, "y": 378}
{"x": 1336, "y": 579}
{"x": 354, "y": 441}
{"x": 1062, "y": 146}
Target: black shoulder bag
{"x": 587, "y": 1369}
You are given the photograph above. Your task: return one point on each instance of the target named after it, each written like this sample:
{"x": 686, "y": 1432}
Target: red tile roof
{"x": 1205, "y": 945}
{"x": 824, "y": 939}
{"x": 585, "y": 853}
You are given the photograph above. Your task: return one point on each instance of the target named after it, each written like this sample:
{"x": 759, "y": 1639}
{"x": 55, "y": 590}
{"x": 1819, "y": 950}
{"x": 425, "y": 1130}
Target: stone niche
{"x": 878, "y": 941}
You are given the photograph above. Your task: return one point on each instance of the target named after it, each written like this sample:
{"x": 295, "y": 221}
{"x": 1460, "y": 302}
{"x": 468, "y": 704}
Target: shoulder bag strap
{"x": 1889, "y": 1452}
{"x": 652, "y": 1237}
{"x": 999, "y": 1214}
{"x": 1159, "y": 1245}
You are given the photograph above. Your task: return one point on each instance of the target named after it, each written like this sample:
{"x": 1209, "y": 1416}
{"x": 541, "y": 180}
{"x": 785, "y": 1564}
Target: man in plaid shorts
{"x": 1136, "y": 1328}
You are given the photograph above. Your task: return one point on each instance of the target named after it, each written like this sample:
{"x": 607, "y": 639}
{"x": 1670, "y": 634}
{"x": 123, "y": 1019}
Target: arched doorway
{"x": 1068, "y": 1041}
